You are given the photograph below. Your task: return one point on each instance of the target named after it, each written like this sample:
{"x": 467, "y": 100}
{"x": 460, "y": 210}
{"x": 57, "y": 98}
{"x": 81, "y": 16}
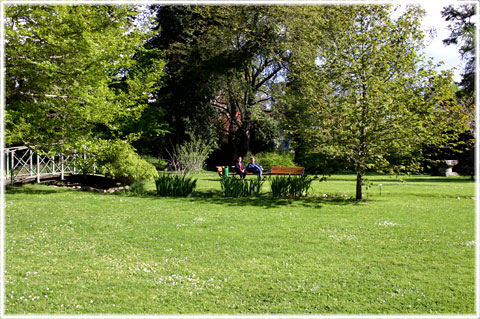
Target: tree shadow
{"x": 440, "y": 180}
{"x": 406, "y": 179}
{"x": 20, "y": 189}
{"x": 267, "y": 202}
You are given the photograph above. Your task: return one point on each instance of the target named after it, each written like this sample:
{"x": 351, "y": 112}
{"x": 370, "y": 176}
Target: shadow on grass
{"x": 265, "y": 201}
{"x": 440, "y": 180}
{"x": 407, "y": 179}
{"x": 210, "y": 197}
{"x": 21, "y": 189}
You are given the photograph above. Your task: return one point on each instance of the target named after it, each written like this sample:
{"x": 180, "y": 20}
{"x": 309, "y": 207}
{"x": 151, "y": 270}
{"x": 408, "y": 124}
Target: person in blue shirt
{"x": 254, "y": 167}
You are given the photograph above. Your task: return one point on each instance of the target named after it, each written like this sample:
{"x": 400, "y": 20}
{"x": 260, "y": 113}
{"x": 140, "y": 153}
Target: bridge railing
{"x": 25, "y": 164}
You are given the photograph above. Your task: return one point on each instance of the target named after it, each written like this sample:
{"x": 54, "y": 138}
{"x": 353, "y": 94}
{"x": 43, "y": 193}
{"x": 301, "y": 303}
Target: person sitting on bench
{"x": 254, "y": 167}
{"x": 240, "y": 168}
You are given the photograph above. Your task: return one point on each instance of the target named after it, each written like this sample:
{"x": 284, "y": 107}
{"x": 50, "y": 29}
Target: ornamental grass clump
{"x": 235, "y": 187}
{"x": 175, "y": 185}
{"x": 291, "y": 186}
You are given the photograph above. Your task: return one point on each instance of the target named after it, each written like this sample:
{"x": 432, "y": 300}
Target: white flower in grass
{"x": 386, "y": 224}
{"x": 324, "y": 195}
{"x": 470, "y": 243}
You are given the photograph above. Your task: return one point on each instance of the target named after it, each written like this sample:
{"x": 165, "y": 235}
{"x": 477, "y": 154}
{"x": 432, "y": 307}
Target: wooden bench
{"x": 276, "y": 170}
{"x": 285, "y": 170}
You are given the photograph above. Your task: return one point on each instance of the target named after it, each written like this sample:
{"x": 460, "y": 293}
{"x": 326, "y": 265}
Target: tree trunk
{"x": 244, "y": 147}
{"x": 358, "y": 195}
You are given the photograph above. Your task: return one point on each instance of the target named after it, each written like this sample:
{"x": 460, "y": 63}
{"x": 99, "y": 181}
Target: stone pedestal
{"x": 447, "y": 170}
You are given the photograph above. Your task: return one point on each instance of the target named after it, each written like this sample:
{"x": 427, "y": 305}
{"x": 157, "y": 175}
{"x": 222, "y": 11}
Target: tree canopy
{"x": 70, "y": 73}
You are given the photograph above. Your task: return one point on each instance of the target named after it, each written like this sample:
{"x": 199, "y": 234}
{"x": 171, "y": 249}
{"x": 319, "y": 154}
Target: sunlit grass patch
{"x": 409, "y": 249}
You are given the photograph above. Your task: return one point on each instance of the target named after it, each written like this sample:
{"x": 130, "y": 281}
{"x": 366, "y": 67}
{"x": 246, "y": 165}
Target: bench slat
{"x": 284, "y": 170}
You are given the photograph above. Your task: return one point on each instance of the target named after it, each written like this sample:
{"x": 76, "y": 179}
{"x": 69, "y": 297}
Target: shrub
{"x": 175, "y": 185}
{"x": 269, "y": 159}
{"x": 160, "y": 164}
{"x": 319, "y": 163}
{"x": 191, "y": 156}
{"x": 292, "y": 186}
{"x": 118, "y": 160}
{"x": 138, "y": 188}
{"x": 235, "y": 187}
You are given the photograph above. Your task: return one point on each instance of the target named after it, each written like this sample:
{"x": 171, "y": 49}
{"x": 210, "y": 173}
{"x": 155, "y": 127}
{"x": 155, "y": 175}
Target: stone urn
{"x": 447, "y": 168}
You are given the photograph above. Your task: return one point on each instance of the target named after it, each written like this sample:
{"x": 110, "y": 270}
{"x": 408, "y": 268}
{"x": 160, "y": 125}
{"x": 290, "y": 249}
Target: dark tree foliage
{"x": 462, "y": 27}
{"x": 223, "y": 64}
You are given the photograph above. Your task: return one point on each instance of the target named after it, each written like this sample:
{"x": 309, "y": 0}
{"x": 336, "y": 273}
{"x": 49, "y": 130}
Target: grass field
{"x": 409, "y": 250}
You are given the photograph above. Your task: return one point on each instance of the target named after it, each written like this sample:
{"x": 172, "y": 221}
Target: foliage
{"x": 191, "y": 155}
{"x": 235, "y": 187}
{"x": 70, "y": 73}
{"x": 369, "y": 96}
{"x": 138, "y": 188}
{"x": 269, "y": 159}
{"x": 184, "y": 99}
{"x": 320, "y": 163}
{"x": 175, "y": 185}
{"x": 462, "y": 27}
{"x": 118, "y": 160}
{"x": 160, "y": 164}
{"x": 291, "y": 185}
{"x": 225, "y": 63}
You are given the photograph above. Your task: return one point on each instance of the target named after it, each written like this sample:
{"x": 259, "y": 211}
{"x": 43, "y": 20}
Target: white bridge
{"x": 23, "y": 164}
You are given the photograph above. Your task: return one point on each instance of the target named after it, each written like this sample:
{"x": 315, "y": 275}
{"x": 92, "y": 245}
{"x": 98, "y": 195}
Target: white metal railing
{"x": 23, "y": 163}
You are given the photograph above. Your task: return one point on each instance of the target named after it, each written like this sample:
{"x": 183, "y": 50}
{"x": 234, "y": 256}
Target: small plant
{"x": 190, "y": 157}
{"x": 236, "y": 187}
{"x": 138, "y": 188}
{"x": 291, "y": 186}
{"x": 175, "y": 185}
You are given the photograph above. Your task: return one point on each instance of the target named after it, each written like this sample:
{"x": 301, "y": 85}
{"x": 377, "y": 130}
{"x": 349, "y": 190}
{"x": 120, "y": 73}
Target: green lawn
{"x": 408, "y": 250}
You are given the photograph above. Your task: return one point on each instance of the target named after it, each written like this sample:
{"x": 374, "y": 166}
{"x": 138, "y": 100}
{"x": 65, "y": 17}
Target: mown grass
{"x": 408, "y": 250}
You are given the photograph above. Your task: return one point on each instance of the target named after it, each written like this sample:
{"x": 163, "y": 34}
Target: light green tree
{"x": 71, "y": 77}
{"x": 371, "y": 99}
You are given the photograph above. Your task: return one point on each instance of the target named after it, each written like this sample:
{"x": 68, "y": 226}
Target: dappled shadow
{"x": 407, "y": 179}
{"x": 209, "y": 196}
{"x": 440, "y": 180}
{"x": 20, "y": 189}
{"x": 265, "y": 201}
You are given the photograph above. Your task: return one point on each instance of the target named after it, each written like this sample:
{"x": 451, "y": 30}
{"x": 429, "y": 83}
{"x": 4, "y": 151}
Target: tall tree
{"x": 370, "y": 97}
{"x": 70, "y": 73}
{"x": 224, "y": 63}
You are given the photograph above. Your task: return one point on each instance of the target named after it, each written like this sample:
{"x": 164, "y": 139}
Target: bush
{"x": 235, "y": 187}
{"x": 175, "y": 185}
{"x": 269, "y": 159}
{"x": 118, "y": 160}
{"x": 292, "y": 186}
{"x": 160, "y": 164}
{"x": 138, "y": 188}
{"x": 191, "y": 156}
{"x": 319, "y": 163}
